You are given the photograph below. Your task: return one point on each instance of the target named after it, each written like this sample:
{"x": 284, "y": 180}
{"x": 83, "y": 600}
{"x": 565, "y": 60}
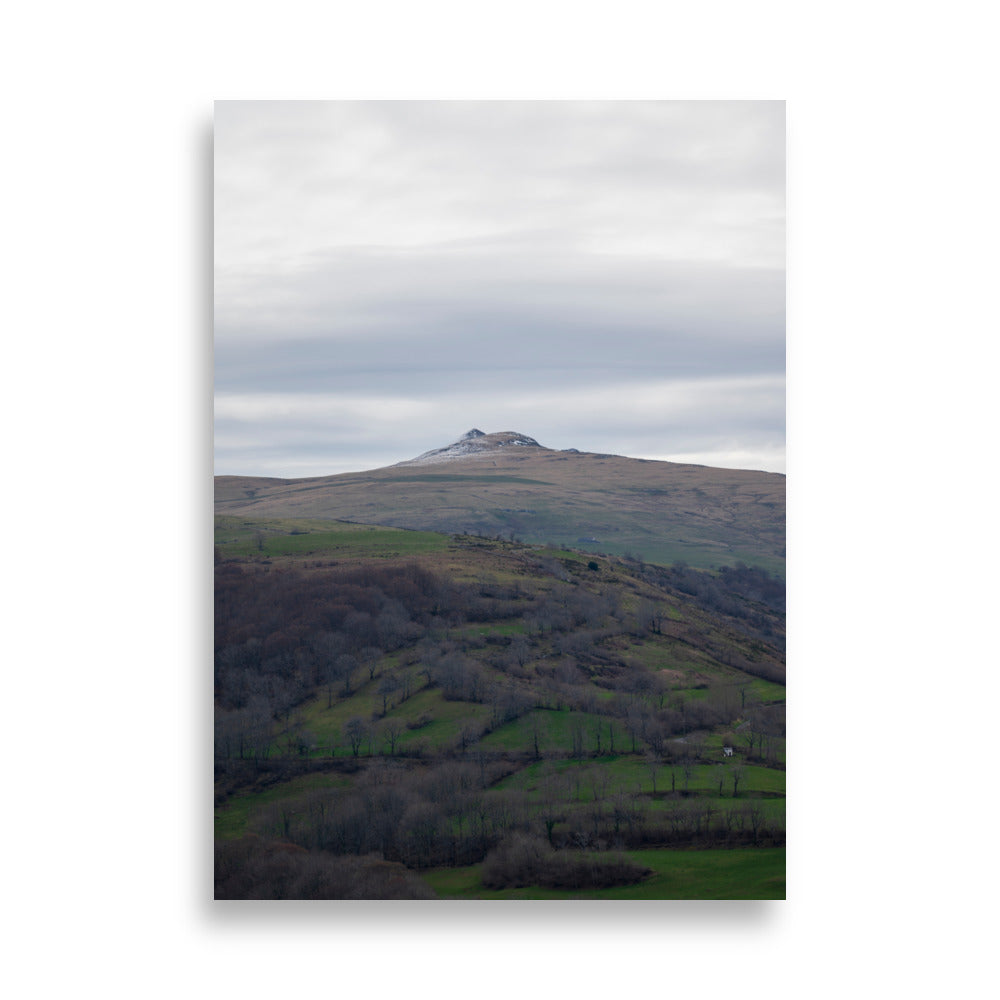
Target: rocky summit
{"x": 474, "y": 443}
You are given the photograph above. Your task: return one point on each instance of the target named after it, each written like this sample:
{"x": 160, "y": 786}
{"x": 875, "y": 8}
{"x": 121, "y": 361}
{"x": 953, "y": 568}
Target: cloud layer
{"x": 603, "y": 276}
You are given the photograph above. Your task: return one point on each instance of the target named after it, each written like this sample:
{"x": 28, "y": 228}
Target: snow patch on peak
{"x": 474, "y": 443}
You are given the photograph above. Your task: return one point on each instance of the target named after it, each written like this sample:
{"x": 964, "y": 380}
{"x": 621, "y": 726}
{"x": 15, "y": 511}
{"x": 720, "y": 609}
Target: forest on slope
{"x": 422, "y": 702}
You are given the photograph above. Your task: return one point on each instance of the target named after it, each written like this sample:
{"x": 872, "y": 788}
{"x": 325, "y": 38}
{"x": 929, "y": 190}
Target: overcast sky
{"x": 600, "y": 276}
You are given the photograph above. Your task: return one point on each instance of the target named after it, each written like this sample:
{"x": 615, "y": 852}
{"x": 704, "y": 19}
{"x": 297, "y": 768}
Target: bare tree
{"x": 387, "y": 687}
{"x": 653, "y": 764}
{"x": 708, "y": 810}
{"x": 355, "y": 729}
{"x": 518, "y": 652}
{"x": 535, "y": 732}
{"x": 600, "y": 780}
{"x": 597, "y": 724}
{"x": 392, "y": 730}
{"x": 550, "y": 812}
{"x": 370, "y": 657}
{"x": 720, "y": 773}
{"x": 687, "y": 769}
{"x": 655, "y": 737}
{"x": 737, "y": 773}
{"x": 651, "y": 617}
{"x": 330, "y": 678}
{"x": 661, "y": 687}
{"x": 755, "y": 814}
{"x": 294, "y": 736}
{"x": 346, "y": 665}
{"x": 469, "y": 734}
{"x": 752, "y": 730}
{"x": 307, "y": 742}
{"x": 405, "y": 684}
{"x": 635, "y": 722}
{"x": 576, "y": 735}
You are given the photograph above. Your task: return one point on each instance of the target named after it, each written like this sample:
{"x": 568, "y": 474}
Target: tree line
{"x": 452, "y": 813}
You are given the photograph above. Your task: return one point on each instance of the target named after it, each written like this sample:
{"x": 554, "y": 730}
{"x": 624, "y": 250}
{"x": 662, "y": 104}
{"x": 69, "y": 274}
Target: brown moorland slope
{"x": 508, "y": 485}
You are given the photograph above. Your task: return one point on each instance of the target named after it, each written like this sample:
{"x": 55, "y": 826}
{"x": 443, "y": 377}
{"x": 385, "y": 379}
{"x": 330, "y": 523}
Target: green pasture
{"x": 447, "y": 719}
{"x": 765, "y": 692}
{"x": 740, "y": 873}
{"x": 568, "y": 555}
{"x": 664, "y": 653}
{"x": 232, "y": 819}
{"x": 259, "y": 537}
{"x": 665, "y": 552}
{"x": 758, "y": 691}
{"x": 611, "y": 774}
{"x": 701, "y": 668}
{"x": 555, "y": 732}
{"x": 327, "y": 724}
{"x": 772, "y": 809}
{"x": 507, "y": 629}
{"x": 580, "y": 787}
{"x": 716, "y": 741}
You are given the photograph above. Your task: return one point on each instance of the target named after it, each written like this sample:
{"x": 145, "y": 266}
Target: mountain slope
{"x": 507, "y": 484}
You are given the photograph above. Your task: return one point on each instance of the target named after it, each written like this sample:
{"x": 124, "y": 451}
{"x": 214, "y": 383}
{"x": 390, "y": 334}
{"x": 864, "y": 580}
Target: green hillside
{"x": 459, "y": 714}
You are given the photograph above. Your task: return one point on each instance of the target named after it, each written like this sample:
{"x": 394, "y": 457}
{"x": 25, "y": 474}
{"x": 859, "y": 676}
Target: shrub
{"x": 251, "y": 868}
{"x": 524, "y": 860}
{"x": 424, "y": 719}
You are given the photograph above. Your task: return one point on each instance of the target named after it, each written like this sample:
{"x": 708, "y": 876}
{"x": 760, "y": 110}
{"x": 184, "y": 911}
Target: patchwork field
{"x": 441, "y": 703}
{"x": 709, "y": 874}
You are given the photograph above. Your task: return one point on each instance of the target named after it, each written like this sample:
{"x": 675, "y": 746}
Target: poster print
{"x": 500, "y": 500}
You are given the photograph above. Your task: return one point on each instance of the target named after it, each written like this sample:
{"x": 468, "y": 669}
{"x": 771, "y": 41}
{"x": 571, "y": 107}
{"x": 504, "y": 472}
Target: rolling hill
{"x": 507, "y": 485}
{"x": 401, "y": 714}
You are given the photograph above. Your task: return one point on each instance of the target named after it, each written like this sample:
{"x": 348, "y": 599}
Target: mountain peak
{"x": 474, "y": 443}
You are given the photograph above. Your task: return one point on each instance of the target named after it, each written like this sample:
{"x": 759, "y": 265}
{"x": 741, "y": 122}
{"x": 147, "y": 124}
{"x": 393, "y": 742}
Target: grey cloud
{"x": 294, "y": 177}
{"x": 356, "y": 292}
{"x": 431, "y": 315}
{"x": 390, "y": 273}
{"x": 641, "y": 418}
{"x": 490, "y": 360}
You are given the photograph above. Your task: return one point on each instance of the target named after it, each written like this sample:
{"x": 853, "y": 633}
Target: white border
{"x": 892, "y": 221}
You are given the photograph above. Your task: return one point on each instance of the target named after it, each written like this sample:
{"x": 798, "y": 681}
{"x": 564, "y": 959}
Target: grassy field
{"x": 239, "y": 537}
{"x": 636, "y": 774}
{"x": 233, "y": 819}
{"x": 741, "y": 873}
{"x": 577, "y": 783}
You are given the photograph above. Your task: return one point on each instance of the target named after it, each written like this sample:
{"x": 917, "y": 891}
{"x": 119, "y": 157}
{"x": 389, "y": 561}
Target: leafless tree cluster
{"x": 523, "y": 859}
{"x": 251, "y": 868}
{"x": 440, "y": 815}
{"x": 579, "y": 665}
